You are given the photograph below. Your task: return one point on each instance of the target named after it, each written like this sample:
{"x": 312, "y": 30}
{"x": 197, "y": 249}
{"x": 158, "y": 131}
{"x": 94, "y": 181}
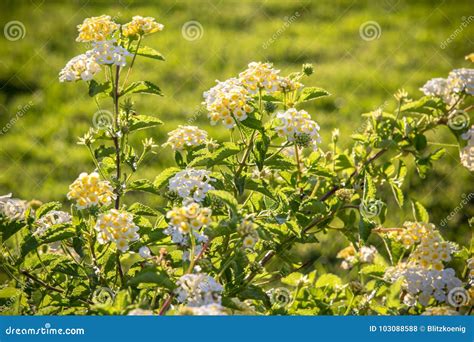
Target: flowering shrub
{"x": 233, "y": 214}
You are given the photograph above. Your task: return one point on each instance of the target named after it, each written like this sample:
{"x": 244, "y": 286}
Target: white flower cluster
{"x": 183, "y": 221}
{"x": 470, "y": 268}
{"x": 365, "y": 254}
{"x": 297, "y": 126}
{"x": 13, "y": 208}
{"x": 247, "y": 230}
{"x": 88, "y": 191}
{"x": 191, "y": 183}
{"x": 107, "y": 52}
{"x": 186, "y": 136}
{"x": 226, "y": 102}
{"x": 116, "y": 226}
{"x": 260, "y": 76}
{"x": 51, "y": 218}
{"x": 422, "y": 284}
{"x": 82, "y": 67}
{"x": 204, "y": 310}
{"x": 467, "y": 152}
{"x": 459, "y": 80}
{"x": 197, "y": 290}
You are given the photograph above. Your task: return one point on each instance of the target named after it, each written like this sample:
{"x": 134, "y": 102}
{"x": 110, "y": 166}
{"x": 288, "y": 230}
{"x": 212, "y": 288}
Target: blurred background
{"x": 363, "y": 51}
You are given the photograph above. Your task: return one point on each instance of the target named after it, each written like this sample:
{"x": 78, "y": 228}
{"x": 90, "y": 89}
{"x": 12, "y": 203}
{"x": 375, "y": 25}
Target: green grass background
{"x": 39, "y": 157}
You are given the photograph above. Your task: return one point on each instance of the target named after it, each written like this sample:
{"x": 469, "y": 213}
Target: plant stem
{"x": 298, "y": 163}
{"x": 116, "y": 137}
{"x": 132, "y": 62}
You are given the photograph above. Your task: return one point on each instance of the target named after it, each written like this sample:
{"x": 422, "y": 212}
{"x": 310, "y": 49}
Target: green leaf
{"x": 146, "y": 51}
{"x": 47, "y": 207}
{"x": 420, "y": 142}
{"x": 397, "y": 192}
{"x": 227, "y": 150}
{"x": 141, "y": 209}
{"x": 438, "y": 154}
{"x": 328, "y": 280}
{"x": 255, "y": 292}
{"x": 139, "y": 122}
{"x": 96, "y": 88}
{"x": 256, "y": 185}
{"x": 144, "y": 87}
{"x": 9, "y": 292}
{"x": 225, "y": 197}
{"x": 376, "y": 270}
{"x": 143, "y": 185}
{"x": 152, "y": 275}
{"x": 343, "y": 162}
{"x": 54, "y": 233}
{"x": 425, "y": 105}
{"x": 162, "y": 179}
{"x": 252, "y": 122}
{"x": 419, "y": 212}
{"x": 104, "y": 151}
{"x": 365, "y": 228}
{"x": 312, "y": 93}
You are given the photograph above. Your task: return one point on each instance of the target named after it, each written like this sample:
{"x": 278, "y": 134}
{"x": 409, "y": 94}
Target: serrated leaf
{"x": 377, "y": 270}
{"x": 141, "y": 209}
{"x": 162, "y": 179}
{"x": 144, "y": 87}
{"x": 397, "y": 193}
{"x": 343, "y": 162}
{"x": 312, "y": 93}
{"x": 419, "y": 212}
{"x": 143, "y": 185}
{"x": 139, "y": 122}
{"x": 328, "y": 280}
{"x": 225, "y": 197}
{"x": 96, "y": 88}
{"x": 9, "y": 228}
{"x": 54, "y": 233}
{"x": 227, "y": 150}
{"x": 47, "y": 207}
{"x": 256, "y": 185}
{"x": 254, "y": 292}
{"x": 152, "y": 275}
{"x": 252, "y": 122}
{"x": 146, "y": 51}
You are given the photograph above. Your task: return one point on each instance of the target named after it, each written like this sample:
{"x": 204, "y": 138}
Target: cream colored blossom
{"x": 247, "y": 230}
{"x": 260, "y": 77}
{"x": 107, "y": 52}
{"x": 186, "y": 220}
{"x": 118, "y": 227}
{"x": 467, "y": 152}
{"x": 96, "y": 29}
{"x": 13, "y": 208}
{"x": 141, "y": 26}
{"x": 440, "y": 311}
{"x": 186, "y": 136}
{"x": 51, "y": 218}
{"x": 88, "y": 191}
{"x": 298, "y": 126}
{"x": 82, "y": 67}
{"x": 191, "y": 184}
{"x": 226, "y": 102}
{"x": 197, "y": 290}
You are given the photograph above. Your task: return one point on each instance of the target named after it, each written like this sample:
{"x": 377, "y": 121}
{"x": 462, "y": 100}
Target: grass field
{"x": 39, "y": 157}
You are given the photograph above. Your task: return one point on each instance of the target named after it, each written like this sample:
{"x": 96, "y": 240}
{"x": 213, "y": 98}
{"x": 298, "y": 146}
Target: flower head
{"x": 186, "y": 220}
{"x": 260, "y": 77}
{"x": 144, "y": 252}
{"x": 13, "y": 208}
{"x": 198, "y": 289}
{"x": 204, "y": 310}
{"x": 96, "y": 29}
{"x": 298, "y": 126}
{"x": 467, "y": 152}
{"x": 52, "y": 218}
{"x": 140, "y": 26}
{"x": 461, "y": 80}
{"x": 108, "y": 52}
{"x": 249, "y": 234}
{"x": 191, "y": 183}
{"x": 186, "y": 136}
{"x": 435, "y": 87}
{"x": 116, "y": 226}
{"x": 226, "y": 102}
{"x": 440, "y": 311}
{"x": 88, "y": 191}
{"x": 82, "y": 67}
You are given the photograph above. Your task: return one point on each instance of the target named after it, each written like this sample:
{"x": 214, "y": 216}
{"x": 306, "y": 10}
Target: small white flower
{"x": 197, "y": 290}
{"x": 144, "y": 252}
{"x": 191, "y": 183}
{"x": 50, "y": 219}
{"x": 186, "y": 136}
{"x": 295, "y": 125}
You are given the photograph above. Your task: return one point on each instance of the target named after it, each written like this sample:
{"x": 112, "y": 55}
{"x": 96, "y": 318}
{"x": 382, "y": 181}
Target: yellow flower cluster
{"x": 260, "y": 76}
{"x": 140, "y": 26}
{"x": 96, "y": 29}
{"x": 227, "y": 101}
{"x": 414, "y": 232}
{"x": 116, "y": 226}
{"x": 431, "y": 251}
{"x": 247, "y": 230}
{"x": 185, "y": 220}
{"x": 186, "y": 136}
{"x": 287, "y": 84}
{"x": 88, "y": 191}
